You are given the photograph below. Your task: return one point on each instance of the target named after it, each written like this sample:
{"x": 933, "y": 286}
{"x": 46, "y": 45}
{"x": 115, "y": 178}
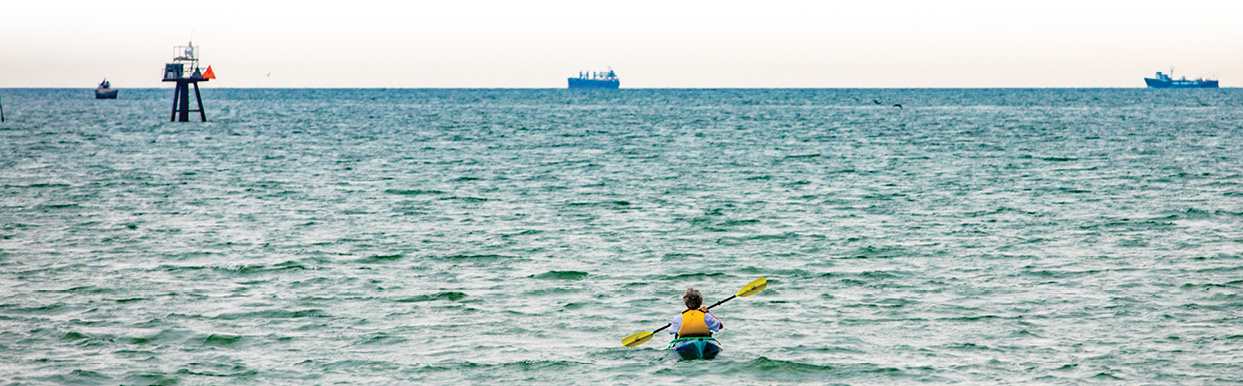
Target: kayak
{"x": 696, "y": 348}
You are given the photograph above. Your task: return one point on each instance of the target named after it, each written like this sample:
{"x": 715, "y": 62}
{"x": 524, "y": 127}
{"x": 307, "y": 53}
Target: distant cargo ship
{"x": 1165, "y": 81}
{"x": 595, "y": 80}
{"x": 105, "y": 91}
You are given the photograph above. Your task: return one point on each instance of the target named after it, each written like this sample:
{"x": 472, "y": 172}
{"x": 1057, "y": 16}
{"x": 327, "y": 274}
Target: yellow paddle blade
{"x": 637, "y": 339}
{"x": 753, "y": 287}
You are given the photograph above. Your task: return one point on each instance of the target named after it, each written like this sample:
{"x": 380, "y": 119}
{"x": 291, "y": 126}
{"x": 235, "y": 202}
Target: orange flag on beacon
{"x": 209, "y": 74}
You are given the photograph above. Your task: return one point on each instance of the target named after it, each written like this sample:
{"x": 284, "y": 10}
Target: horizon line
{"x": 628, "y": 88}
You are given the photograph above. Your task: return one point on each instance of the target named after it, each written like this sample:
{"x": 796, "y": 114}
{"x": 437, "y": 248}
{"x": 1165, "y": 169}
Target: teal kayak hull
{"x": 696, "y": 348}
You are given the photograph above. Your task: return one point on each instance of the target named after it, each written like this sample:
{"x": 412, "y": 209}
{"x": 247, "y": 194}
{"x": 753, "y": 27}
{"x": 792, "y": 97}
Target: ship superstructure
{"x": 606, "y": 79}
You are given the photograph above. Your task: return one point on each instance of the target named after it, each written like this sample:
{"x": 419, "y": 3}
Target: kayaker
{"x": 696, "y": 321}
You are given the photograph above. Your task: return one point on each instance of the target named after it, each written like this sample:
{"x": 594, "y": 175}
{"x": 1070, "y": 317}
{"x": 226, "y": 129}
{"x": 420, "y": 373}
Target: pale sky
{"x": 651, "y": 44}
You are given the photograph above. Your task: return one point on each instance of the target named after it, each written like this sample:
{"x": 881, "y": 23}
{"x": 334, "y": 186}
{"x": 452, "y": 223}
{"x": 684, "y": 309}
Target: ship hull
{"x": 1160, "y": 83}
{"x": 594, "y": 83}
{"x": 106, "y": 93}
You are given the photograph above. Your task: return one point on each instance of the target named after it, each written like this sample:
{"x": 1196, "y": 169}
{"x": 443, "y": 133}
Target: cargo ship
{"x": 1166, "y": 81}
{"x": 105, "y": 91}
{"x": 595, "y": 80}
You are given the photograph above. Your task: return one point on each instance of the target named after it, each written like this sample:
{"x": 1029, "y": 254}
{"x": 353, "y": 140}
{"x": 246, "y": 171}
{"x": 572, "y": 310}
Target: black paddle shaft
{"x": 723, "y": 301}
{"x": 709, "y": 307}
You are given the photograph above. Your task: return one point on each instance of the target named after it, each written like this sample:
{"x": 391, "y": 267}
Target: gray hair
{"x": 693, "y": 298}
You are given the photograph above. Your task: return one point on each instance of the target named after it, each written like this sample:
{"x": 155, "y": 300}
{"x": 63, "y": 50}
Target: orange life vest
{"x": 693, "y": 324}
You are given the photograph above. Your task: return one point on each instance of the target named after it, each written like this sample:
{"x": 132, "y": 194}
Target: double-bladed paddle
{"x": 751, "y": 288}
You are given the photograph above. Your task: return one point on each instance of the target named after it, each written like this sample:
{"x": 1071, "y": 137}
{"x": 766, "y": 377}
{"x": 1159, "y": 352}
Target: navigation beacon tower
{"x": 185, "y": 71}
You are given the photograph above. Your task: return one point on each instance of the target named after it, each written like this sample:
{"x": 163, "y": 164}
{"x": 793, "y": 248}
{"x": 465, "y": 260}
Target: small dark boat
{"x": 105, "y": 91}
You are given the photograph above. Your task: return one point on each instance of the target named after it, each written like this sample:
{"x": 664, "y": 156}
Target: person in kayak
{"x": 696, "y": 321}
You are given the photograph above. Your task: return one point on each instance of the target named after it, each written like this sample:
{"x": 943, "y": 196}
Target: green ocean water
{"x": 375, "y": 236}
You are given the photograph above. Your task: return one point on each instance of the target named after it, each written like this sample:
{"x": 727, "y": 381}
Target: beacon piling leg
{"x": 176, "y": 91}
{"x": 202, "y": 114}
{"x": 183, "y": 111}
